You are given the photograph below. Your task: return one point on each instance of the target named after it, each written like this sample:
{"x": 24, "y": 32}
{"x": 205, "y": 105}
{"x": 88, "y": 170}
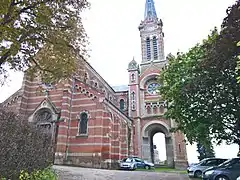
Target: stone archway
{"x": 148, "y": 131}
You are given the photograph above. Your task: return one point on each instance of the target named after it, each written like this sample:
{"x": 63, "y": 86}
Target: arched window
{"x": 122, "y": 104}
{"x": 133, "y": 106}
{"x": 83, "y": 123}
{"x": 43, "y": 115}
{"x": 148, "y": 48}
{"x": 133, "y": 96}
{"x": 161, "y": 109}
{"x": 133, "y": 77}
{"x": 155, "y": 49}
{"x": 148, "y": 110}
{"x": 155, "y": 110}
{"x": 43, "y": 119}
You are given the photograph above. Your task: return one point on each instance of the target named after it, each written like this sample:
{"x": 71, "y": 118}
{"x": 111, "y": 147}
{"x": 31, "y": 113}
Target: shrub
{"x": 45, "y": 174}
{"x": 23, "y": 147}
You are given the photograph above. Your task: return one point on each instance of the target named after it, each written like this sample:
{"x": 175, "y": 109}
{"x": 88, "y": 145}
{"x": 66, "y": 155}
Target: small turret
{"x": 133, "y": 70}
{"x": 133, "y": 65}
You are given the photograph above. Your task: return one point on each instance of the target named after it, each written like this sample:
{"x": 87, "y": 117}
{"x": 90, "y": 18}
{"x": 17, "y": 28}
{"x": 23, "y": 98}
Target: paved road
{"x": 76, "y": 173}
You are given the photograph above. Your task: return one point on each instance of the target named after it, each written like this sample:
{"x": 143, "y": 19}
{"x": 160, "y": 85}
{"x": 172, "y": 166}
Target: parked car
{"x": 132, "y": 163}
{"x": 229, "y": 170}
{"x": 196, "y": 170}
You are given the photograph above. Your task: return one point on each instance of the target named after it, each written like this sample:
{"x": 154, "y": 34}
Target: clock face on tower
{"x": 150, "y": 28}
{"x": 153, "y": 88}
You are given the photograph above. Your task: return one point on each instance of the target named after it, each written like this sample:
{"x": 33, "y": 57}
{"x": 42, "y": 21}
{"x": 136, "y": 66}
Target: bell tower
{"x": 152, "y": 44}
{"x": 146, "y": 106}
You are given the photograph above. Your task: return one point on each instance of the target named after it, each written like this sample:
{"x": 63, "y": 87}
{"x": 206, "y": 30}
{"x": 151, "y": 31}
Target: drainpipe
{"x": 69, "y": 118}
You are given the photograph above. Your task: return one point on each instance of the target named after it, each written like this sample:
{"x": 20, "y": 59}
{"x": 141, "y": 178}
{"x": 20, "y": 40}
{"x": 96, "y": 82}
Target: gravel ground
{"x": 77, "y": 173}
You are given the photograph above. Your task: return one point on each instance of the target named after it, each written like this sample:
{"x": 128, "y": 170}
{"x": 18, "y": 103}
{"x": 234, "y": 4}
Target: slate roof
{"x": 120, "y": 88}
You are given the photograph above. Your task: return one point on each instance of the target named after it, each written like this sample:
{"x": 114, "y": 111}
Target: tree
{"x": 205, "y": 152}
{"x": 238, "y": 62}
{"x": 201, "y": 88}
{"x": 23, "y": 146}
{"x": 45, "y": 36}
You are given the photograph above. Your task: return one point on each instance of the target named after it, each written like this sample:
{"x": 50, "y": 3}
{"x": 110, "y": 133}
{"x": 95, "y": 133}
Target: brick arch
{"x": 161, "y": 125}
{"x": 146, "y": 78}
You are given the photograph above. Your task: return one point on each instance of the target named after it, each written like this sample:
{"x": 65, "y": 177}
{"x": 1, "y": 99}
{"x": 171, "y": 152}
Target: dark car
{"x": 229, "y": 170}
{"x": 195, "y": 170}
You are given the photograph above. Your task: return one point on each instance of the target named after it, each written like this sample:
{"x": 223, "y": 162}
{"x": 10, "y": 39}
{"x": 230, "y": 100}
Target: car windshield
{"x": 200, "y": 162}
{"x": 226, "y": 163}
{"x": 128, "y": 160}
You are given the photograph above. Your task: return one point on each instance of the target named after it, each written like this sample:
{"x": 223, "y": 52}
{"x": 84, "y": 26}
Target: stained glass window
{"x": 153, "y": 88}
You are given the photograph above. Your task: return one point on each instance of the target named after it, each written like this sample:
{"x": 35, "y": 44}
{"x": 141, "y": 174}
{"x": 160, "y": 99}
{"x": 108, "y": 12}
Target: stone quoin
{"x": 94, "y": 124}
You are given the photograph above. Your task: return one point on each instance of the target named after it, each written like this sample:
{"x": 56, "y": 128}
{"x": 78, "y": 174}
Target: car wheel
{"x": 147, "y": 167}
{"x": 221, "y": 178}
{"x": 198, "y": 174}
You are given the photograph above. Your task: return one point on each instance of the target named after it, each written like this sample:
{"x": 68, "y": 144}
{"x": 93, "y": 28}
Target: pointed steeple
{"x": 150, "y": 11}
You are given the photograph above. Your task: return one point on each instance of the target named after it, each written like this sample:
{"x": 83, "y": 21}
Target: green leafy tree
{"x": 45, "y": 36}
{"x": 201, "y": 87}
{"x": 205, "y": 152}
{"x": 238, "y": 62}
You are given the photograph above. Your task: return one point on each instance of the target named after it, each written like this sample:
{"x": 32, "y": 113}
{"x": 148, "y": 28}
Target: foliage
{"x": 238, "y": 62}
{"x": 205, "y": 152}
{"x": 201, "y": 88}
{"x": 50, "y": 29}
{"x": 23, "y": 146}
{"x": 45, "y": 174}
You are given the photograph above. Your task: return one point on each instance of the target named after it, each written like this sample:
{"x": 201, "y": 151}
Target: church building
{"x": 96, "y": 125}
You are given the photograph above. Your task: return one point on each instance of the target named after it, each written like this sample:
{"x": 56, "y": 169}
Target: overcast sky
{"x": 112, "y": 27}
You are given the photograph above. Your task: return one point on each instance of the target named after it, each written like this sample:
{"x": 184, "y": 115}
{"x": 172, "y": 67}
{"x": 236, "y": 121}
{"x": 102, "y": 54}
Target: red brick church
{"x": 94, "y": 124}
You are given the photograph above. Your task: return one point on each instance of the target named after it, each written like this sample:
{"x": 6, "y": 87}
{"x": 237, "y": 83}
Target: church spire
{"x": 150, "y": 11}
{"x": 151, "y": 36}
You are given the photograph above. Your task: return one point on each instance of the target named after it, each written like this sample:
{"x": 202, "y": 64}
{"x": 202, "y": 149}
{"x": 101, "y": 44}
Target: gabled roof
{"x": 16, "y": 94}
{"x": 46, "y": 102}
{"x": 99, "y": 76}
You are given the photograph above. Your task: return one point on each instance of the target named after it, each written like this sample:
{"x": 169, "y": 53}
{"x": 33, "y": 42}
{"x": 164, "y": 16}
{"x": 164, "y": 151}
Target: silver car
{"x": 128, "y": 163}
{"x": 195, "y": 170}
{"x": 133, "y": 163}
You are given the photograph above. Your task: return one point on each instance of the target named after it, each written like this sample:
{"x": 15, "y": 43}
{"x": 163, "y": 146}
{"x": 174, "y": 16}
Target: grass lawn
{"x": 165, "y": 169}
{"x": 168, "y": 170}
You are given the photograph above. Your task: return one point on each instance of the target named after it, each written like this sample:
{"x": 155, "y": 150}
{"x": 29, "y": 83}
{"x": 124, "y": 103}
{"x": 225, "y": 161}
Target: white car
{"x": 238, "y": 178}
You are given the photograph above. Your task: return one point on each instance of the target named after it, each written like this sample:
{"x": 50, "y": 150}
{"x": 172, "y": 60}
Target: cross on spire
{"x": 150, "y": 11}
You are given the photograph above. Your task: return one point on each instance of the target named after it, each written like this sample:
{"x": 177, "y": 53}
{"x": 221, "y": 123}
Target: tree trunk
{"x": 238, "y": 154}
